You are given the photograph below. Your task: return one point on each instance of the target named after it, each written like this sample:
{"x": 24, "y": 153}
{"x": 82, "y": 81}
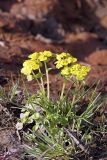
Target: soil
{"x": 78, "y": 27}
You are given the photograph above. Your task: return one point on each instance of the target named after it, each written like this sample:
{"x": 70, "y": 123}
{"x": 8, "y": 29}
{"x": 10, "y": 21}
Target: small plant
{"x": 60, "y": 128}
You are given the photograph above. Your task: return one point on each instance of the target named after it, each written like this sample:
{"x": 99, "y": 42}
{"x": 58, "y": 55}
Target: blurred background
{"x": 75, "y": 26}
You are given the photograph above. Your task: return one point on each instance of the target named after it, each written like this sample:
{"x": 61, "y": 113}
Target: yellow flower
{"x": 29, "y": 66}
{"x": 79, "y": 71}
{"x": 62, "y": 55}
{"x": 47, "y": 53}
{"x": 32, "y": 64}
{"x": 29, "y": 77}
{"x": 66, "y": 72}
{"x": 76, "y": 70}
{"x": 40, "y": 56}
{"x": 34, "y": 56}
{"x": 26, "y": 70}
{"x": 59, "y": 64}
{"x": 64, "y": 59}
{"x": 44, "y": 56}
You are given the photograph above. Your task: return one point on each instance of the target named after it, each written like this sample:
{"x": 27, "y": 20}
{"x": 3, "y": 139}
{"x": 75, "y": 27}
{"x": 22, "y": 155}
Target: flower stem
{"x": 37, "y": 80}
{"x": 47, "y": 77}
{"x": 41, "y": 79}
{"x": 38, "y": 84}
{"x": 63, "y": 89}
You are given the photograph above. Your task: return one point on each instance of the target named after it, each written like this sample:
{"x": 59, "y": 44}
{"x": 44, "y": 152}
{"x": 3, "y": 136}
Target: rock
{"x": 97, "y": 57}
{"x": 103, "y": 22}
{"x": 98, "y": 73}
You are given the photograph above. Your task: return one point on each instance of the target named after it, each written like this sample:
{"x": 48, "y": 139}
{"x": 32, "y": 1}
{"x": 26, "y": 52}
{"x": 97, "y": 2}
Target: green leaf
{"x": 35, "y": 127}
{"x": 38, "y": 75}
{"x": 36, "y": 116}
{"x": 49, "y": 69}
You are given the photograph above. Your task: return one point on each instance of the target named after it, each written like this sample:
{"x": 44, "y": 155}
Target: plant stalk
{"x": 47, "y": 77}
{"x": 63, "y": 89}
{"x": 42, "y": 83}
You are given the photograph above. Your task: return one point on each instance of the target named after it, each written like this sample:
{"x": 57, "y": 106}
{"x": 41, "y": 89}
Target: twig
{"x": 6, "y": 128}
{"x": 17, "y": 132}
{"x": 78, "y": 143}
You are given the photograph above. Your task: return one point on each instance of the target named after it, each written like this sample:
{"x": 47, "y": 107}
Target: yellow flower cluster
{"x": 34, "y": 63}
{"x": 41, "y": 56}
{"x": 76, "y": 70}
{"x": 80, "y": 71}
{"x": 64, "y": 59}
{"x": 65, "y": 62}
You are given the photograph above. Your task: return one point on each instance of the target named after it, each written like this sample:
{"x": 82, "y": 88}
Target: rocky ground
{"x": 78, "y": 27}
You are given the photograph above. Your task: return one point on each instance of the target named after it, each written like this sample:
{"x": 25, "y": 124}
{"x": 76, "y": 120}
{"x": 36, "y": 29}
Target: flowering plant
{"x": 55, "y": 122}
{"x": 64, "y": 61}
